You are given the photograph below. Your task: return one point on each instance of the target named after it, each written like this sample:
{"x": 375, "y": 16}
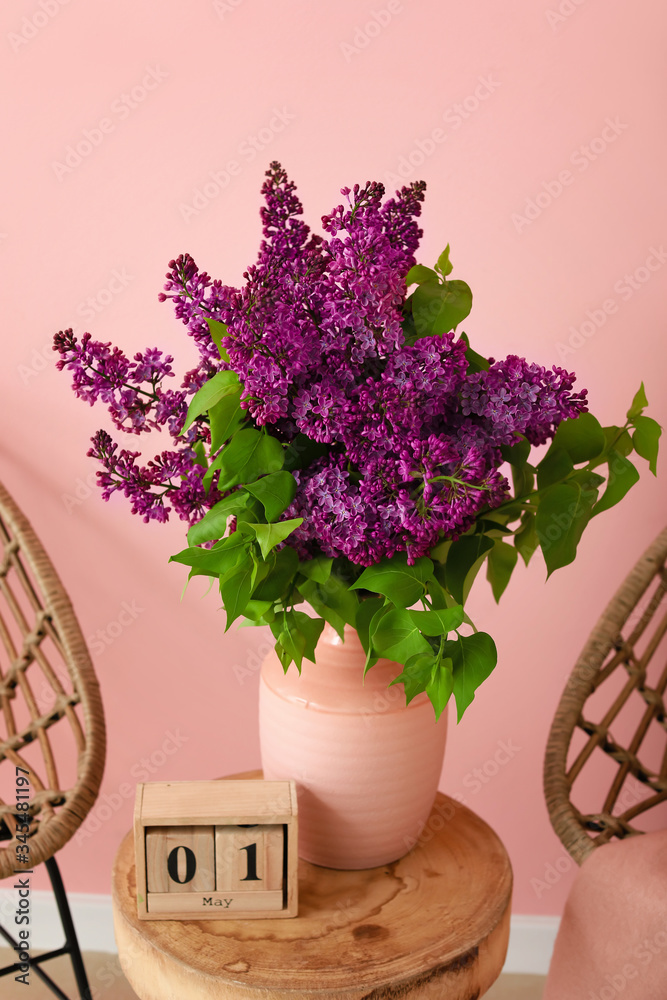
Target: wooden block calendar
{"x": 216, "y": 849}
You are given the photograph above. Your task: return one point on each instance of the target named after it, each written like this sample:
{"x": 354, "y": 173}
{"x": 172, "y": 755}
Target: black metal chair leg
{"x": 71, "y": 940}
{"x": 35, "y": 966}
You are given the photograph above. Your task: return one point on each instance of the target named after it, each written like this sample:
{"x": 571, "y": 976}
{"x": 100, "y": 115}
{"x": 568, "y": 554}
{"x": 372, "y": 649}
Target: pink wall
{"x": 517, "y": 90}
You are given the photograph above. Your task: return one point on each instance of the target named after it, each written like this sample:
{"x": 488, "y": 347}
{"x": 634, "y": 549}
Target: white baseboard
{"x": 91, "y": 915}
{"x": 531, "y": 937}
{"x": 531, "y": 944}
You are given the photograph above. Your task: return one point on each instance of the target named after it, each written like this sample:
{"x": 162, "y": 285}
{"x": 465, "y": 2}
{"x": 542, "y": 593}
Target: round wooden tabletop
{"x": 433, "y": 924}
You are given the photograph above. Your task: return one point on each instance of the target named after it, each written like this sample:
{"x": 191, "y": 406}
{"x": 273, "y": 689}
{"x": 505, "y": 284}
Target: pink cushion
{"x": 612, "y": 940}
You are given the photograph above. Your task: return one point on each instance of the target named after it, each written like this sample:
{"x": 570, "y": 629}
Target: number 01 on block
{"x": 216, "y": 849}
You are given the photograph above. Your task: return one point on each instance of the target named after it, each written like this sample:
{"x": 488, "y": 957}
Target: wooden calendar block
{"x": 216, "y": 849}
{"x": 249, "y": 858}
{"x": 218, "y": 904}
{"x": 180, "y": 859}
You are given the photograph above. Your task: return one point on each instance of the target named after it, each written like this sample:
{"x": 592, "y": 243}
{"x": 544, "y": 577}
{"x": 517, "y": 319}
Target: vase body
{"x": 366, "y": 765}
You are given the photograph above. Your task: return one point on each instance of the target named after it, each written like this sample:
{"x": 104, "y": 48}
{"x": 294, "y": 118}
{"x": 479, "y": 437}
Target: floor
{"x": 108, "y": 983}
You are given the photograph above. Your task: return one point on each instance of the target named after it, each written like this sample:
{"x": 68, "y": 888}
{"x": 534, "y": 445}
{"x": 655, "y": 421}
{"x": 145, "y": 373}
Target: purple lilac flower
{"x": 131, "y": 389}
{"x": 151, "y": 488}
{"x": 517, "y": 397}
{"x": 316, "y": 337}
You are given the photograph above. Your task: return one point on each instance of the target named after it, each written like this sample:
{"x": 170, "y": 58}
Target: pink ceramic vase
{"x": 367, "y": 767}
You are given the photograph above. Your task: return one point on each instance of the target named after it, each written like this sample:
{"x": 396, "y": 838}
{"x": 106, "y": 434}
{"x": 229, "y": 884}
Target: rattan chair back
{"x": 51, "y": 718}
{"x": 614, "y": 704}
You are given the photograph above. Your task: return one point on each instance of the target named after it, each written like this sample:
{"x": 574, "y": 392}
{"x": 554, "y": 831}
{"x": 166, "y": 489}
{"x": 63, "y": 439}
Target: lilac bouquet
{"x": 339, "y": 444}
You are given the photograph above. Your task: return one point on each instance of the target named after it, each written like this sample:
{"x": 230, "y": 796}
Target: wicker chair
{"x": 617, "y": 684}
{"x": 51, "y": 725}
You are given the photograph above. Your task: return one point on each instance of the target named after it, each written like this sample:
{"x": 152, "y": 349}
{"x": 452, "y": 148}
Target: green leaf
{"x": 332, "y": 600}
{"x": 297, "y": 633}
{"x": 440, "y": 599}
{"x": 562, "y": 515}
{"x": 397, "y": 637}
{"x": 215, "y": 561}
{"x": 476, "y": 363}
{"x": 235, "y": 590}
{"x": 638, "y": 403}
{"x": 200, "y": 452}
{"x": 372, "y": 654}
{"x": 418, "y": 274}
{"x": 416, "y": 675}
{"x": 270, "y": 535}
{"x": 501, "y": 562}
{"x": 275, "y": 585}
{"x": 516, "y": 454}
{"x": 440, "y": 552}
{"x": 487, "y": 525}
{"x": 302, "y": 452}
{"x": 473, "y": 658}
{"x": 365, "y": 614}
{"x": 440, "y": 622}
{"x": 441, "y": 685}
{"x": 618, "y": 438}
{"x": 444, "y": 265}
{"x": 525, "y": 539}
{"x": 256, "y": 610}
{"x": 645, "y": 439}
{"x": 393, "y": 578}
{"x": 248, "y": 455}
{"x": 225, "y": 418}
{"x": 554, "y": 467}
{"x": 523, "y": 482}
{"x": 275, "y": 492}
{"x": 587, "y": 480}
{"x": 622, "y": 476}
{"x": 437, "y": 308}
{"x": 581, "y": 437}
{"x": 463, "y": 560}
{"x": 214, "y": 522}
{"x": 317, "y": 569}
{"x": 218, "y": 330}
{"x": 220, "y": 385}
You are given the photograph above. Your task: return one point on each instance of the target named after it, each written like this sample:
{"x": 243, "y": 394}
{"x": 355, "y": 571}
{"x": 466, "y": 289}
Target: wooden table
{"x": 434, "y": 924}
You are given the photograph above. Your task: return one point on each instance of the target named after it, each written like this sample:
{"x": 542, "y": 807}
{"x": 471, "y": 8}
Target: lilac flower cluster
{"x": 316, "y": 336}
{"x": 133, "y": 393}
{"x": 424, "y": 439}
{"x": 172, "y": 474}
